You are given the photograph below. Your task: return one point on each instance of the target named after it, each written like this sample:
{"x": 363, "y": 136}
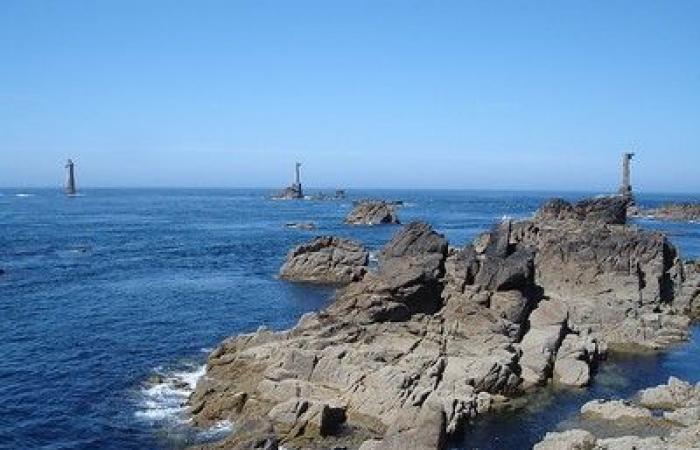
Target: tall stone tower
{"x": 70, "y": 178}
{"x": 626, "y": 187}
{"x": 296, "y": 187}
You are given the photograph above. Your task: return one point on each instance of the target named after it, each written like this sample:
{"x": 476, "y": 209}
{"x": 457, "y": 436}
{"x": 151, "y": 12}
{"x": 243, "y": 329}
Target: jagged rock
{"x": 608, "y": 272}
{"x": 326, "y": 259}
{"x": 372, "y": 213}
{"x": 676, "y": 394}
{"x": 412, "y": 351}
{"x": 567, "y": 440}
{"x": 601, "y": 210}
{"x": 688, "y": 299}
{"x": 674, "y": 211}
{"x": 407, "y": 281}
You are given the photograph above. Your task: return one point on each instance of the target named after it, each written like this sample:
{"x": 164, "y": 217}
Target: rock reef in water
{"x": 410, "y": 352}
{"x": 634, "y": 424}
{"x": 326, "y": 259}
{"x": 673, "y": 211}
{"x": 372, "y": 213}
{"x": 309, "y": 226}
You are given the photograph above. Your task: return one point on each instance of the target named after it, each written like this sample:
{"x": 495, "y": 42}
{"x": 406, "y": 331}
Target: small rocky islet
{"x": 671, "y": 211}
{"x": 408, "y": 353}
{"x": 373, "y": 212}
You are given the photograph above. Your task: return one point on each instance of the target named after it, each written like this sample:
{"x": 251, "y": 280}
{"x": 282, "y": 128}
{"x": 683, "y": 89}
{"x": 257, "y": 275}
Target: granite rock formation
{"x": 372, "y": 213}
{"x": 634, "y": 424}
{"x": 618, "y": 281}
{"x": 436, "y": 335}
{"x": 673, "y": 211}
{"x": 602, "y": 210}
{"x": 326, "y": 259}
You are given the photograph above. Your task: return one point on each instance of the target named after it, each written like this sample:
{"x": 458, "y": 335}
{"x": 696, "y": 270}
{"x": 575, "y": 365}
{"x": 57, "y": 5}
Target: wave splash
{"x": 162, "y": 404}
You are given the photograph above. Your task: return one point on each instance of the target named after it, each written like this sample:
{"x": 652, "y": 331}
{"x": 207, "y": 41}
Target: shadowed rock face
{"x": 413, "y": 350}
{"x": 326, "y": 259}
{"x": 407, "y": 281}
{"x": 372, "y": 213}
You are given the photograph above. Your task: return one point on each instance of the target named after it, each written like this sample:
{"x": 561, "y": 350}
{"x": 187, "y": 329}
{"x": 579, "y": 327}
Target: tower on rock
{"x": 69, "y": 187}
{"x": 626, "y": 187}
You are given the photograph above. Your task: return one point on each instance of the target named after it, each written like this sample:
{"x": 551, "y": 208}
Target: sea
{"x": 104, "y": 292}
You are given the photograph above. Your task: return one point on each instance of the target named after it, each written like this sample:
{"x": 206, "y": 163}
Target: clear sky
{"x": 456, "y": 94}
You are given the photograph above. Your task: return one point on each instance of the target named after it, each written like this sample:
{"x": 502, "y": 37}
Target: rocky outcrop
{"x": 326, "y": 259}
{"x": 372, "y": 213}
{"x": 618, "y": 281}
{"x": 436, "y": 335}
{"x": 673, "y": 211}
{"x": 688, "y": 299}
{"x": 389, "y": 353}
{"x": 618, "y": 424}
{"x": 600, "y": 210}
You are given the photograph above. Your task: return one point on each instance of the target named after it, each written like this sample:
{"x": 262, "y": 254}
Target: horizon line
{"x": 371, "y": 188}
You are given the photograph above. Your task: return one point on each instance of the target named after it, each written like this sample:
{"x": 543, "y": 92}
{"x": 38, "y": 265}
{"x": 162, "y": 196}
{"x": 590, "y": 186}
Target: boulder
{"x": 372, "y": 213}
{"x": 615, "y": 410}
{"x": 326, "y": 259}
{"x": 567, "y": 440}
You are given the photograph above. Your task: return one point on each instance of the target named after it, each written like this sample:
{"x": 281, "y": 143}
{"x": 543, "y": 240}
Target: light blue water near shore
{"x": 103, "y": 290}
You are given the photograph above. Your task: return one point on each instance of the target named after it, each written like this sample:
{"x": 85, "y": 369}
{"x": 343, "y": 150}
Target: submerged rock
{"x": 301, "y": 225}
{"x": 326, "y": 259}
{"x": 635, "y": 426}
{"x": 372, "y": 213}
{"x": 410, "y": 352}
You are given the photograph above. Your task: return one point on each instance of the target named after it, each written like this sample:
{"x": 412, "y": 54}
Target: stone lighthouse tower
{"x": 69, "y": 187}
{"x": 626, "y": 186}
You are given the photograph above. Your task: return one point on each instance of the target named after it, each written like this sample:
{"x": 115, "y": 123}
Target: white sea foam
{"x": 217, "y": 431}
{"x": 24, "y": 195}
{"x": 166, "y": 401}
{"x": 164, "y": 405}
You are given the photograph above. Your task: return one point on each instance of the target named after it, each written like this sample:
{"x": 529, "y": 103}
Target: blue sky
{"x": 492, "y": 94}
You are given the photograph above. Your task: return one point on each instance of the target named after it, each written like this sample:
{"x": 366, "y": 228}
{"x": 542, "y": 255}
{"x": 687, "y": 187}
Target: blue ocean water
{"x": 104, "y": 290}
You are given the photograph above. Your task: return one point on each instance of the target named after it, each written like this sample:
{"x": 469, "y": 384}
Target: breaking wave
{"x": 162, "y": 404}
